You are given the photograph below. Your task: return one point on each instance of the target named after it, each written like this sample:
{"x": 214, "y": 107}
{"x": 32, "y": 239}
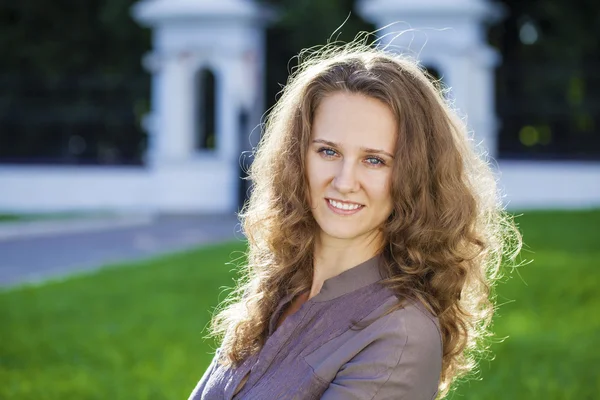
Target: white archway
{"x": 207, "y": 64}
{"x": 205, "y": 109}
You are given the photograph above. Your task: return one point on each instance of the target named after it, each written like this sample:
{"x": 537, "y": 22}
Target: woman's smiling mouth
{"x": 343, "y": 208}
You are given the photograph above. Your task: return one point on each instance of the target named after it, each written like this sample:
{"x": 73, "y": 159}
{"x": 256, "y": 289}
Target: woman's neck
{"x": 334, "y": 256}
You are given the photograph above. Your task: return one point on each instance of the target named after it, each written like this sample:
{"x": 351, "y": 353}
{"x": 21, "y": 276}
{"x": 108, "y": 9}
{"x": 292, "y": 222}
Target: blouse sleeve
{"x": 197, "y": 392}
{"x": 402, "y": 363}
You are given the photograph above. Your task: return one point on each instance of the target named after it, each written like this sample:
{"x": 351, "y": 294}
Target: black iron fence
{"x": 549, "y": 111}
{"x": 89, "y": 120}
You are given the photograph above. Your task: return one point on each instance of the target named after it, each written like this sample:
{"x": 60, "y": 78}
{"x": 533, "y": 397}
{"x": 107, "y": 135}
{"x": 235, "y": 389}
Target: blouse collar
{"x": 357, "y": 277}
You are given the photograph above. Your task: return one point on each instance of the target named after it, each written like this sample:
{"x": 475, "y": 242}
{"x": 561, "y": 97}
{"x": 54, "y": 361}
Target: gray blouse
{"x": 314, "y": 354}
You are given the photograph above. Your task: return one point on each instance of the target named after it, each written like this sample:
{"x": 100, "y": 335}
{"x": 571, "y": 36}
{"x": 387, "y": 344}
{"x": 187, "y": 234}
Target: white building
{"x": 207, "y": 66}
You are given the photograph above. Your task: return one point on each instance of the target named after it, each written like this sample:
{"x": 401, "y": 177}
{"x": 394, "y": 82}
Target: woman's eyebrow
{"x": 377, "y": 151}
{"x": 363, "y": 149}
{"x": 326, "y": 142}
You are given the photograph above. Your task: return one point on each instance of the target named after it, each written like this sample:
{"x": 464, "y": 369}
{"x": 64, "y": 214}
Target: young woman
{"x": 375, "y": 235}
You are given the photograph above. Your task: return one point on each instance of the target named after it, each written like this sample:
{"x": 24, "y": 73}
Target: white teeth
{"x": 344, "y": 206}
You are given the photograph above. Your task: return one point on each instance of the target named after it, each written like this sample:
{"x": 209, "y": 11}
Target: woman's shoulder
{"x": 391, "y": 348}
{"x": 409, "y": 321}
{"x": 407, "y": 343}
{"x": 394, "y": 325}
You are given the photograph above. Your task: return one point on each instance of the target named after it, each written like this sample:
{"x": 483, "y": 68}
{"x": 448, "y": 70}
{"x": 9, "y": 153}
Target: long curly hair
{"x": 444, "y": 241}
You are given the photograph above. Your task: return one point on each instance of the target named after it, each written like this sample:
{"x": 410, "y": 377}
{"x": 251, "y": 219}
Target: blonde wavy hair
{"x": 444, "y": 241}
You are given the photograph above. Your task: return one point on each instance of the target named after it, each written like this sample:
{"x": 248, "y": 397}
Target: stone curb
{"x": 30, "y": 229}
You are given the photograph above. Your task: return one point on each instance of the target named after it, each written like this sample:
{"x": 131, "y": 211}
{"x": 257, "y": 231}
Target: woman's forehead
{"x": 356, "y": 121}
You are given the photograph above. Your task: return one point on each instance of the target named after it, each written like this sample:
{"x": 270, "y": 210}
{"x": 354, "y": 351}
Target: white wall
{"x": 203, "y": 188}
{"x": 550, "y": 184}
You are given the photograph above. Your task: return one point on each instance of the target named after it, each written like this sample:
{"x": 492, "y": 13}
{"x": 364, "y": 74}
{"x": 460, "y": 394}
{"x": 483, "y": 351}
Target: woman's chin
{"x": 337, "y": 232}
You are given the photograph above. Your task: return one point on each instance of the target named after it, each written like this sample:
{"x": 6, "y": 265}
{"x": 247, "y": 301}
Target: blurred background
{"x": 125, "y": 131}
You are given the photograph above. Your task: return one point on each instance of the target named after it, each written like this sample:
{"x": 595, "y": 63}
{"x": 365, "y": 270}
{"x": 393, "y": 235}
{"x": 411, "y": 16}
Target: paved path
{"x": 37, "y": 251}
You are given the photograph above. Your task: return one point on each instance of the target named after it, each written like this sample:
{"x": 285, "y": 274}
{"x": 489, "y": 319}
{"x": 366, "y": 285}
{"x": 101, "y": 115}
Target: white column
{"x": 227, "y": 101}
{"x": 482, "y": 102}
{"x": 175, "y": 118}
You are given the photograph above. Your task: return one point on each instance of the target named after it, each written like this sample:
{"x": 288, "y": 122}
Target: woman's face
{"x": 349, "y": 166}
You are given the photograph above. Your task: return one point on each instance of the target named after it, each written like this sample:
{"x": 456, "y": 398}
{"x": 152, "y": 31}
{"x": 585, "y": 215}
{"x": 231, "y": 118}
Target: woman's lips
{"x": 334, "y": 205}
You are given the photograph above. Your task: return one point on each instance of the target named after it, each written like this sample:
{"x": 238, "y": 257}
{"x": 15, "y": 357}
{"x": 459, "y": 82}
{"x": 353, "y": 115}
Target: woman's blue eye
{"x": 327, "y": 152}
{"x": 375, "y": 161}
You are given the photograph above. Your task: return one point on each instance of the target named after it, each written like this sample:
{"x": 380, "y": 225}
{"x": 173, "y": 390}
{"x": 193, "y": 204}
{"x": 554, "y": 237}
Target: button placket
{"x": 282, "y": 337}
{"x": 236, "y": 377}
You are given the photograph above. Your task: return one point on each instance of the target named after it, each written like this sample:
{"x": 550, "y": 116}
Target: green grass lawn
{"x": 10, "y": 217}
{"x": 135, "y": 332}
{"x": 6, "y": 217}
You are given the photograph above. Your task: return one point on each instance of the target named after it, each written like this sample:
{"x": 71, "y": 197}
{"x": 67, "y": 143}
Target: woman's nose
{"x": 346, "y": 180}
